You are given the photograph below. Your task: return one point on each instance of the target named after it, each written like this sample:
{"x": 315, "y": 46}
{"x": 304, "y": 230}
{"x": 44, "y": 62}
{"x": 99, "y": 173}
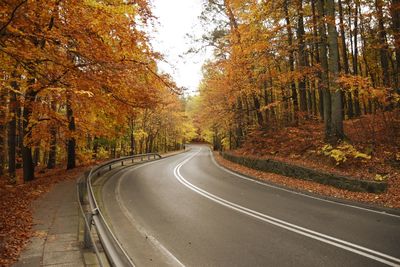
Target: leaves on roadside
{"x": 16, "y": 222}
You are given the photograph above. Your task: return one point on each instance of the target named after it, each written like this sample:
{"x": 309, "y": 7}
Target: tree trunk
{"x": 314, "y": 101}
{"x": 151, "y": 143}
{"x": 291, "y": 60}
{"x": 45, "y": 157}
{"x": 239, "y": 122}
{"x": 395, "y": 12}
{"x": 165, "y": 141}
{"x": 147, "y": 144}
{"x": 257, "y": 106}
{"x": 266, "y": 102}
{"x": 71, "y": 140}
{"x": 95, "y": 147}
{"x": 20, "y": 135}
{"x": 364, "y": 51}
{"x": 324, "y": 73}
{"x": 3, "y": 109}
{"x": 302, "y": 56}
{"x": 122, "y": 149}
{"x": 132, "y": 151}
{"x": 114, "y": 150}
{"x": 383, "y": 50}
{"x": 357, "y": 109}
{"x": 350, "y": 112}
{"x": 337, "y": 133}
{"x": 132, "y": 136}
{"x": 12, "y": 132}
{"x": 51, "y": 163}
{"x": 309, "y": 98}
{"x": 27, "y": 160}
{"x": 36, "y": 156}
{"x": 343, "y": 40}
{"x": 316, "y": 22}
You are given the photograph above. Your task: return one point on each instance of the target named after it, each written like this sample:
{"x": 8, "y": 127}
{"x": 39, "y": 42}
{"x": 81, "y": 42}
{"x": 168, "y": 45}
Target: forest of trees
{"x": 281, "y": 63}
{"x": 79, "y": 81}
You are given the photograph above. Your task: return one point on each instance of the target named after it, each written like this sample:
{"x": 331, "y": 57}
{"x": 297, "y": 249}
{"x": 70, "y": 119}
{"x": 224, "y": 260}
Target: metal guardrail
{"x": 92, "y": 215}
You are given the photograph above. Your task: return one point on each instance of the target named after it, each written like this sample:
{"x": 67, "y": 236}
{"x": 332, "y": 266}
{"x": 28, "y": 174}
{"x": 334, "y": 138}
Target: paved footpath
{"x": 56, "y": 218}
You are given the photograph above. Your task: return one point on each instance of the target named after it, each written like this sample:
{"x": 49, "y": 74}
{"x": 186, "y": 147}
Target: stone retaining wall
{"x": 304, "y": 173}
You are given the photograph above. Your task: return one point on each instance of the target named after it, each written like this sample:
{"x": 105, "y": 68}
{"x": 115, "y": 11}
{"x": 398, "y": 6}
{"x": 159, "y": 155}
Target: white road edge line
{"x": 127, "y": 214}
{"x": 298, "y": 193}
{"x": 363, "y": 251}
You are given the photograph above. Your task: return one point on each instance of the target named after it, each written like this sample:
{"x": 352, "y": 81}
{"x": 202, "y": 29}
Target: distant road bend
{"x": 185, "y": 210}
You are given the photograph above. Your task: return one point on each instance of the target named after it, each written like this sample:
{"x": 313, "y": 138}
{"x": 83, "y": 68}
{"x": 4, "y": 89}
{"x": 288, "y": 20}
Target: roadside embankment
{"x": 300, "y": 172}
{"x": 389, "y": 198}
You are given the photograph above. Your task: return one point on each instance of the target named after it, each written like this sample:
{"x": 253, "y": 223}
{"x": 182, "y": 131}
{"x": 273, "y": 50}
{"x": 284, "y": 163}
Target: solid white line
{"x": 298, "y": 193}
{"x": 363, "y": 251}
{"x": 142, "y": 230}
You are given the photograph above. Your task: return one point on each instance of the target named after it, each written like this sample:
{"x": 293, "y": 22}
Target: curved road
{"x": 185, "y": 210}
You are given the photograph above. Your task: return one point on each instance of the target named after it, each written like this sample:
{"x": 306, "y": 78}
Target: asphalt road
{"x": 185, "y": 210}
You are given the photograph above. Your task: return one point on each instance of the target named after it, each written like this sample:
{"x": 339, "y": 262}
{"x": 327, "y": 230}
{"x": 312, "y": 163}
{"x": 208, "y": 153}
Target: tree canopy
{"x": 79, "y": 77}
{"x": 281, "y": 63}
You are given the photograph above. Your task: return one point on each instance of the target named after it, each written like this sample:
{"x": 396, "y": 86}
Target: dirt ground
{"x": 15, "y": 209}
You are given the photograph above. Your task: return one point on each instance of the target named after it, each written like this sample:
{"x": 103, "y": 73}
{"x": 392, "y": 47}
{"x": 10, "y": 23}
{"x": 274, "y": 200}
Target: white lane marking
{"x": 298, "y": 193}
{"x": 360, "y": 250}
{"x": 142, "y": 231}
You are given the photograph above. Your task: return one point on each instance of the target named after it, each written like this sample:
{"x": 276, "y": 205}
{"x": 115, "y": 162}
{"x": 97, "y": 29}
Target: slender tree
{"x": 71, "y": 143}
{"x": 3, "y": 94}
{"x": 350, "y": 112}
{"x": 395, "y": 12}
{"x": 383, "y": 50}
{"x": 291, "y": 59}
{"x": 337, "y": 133}
{"x": 12, "y": 128}
{"x": 302, "y": 56}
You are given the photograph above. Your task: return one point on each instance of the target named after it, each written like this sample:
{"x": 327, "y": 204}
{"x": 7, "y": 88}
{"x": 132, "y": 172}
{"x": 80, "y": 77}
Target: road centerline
{"x": 298, "y": 193}
{"x": 360, "y": 250}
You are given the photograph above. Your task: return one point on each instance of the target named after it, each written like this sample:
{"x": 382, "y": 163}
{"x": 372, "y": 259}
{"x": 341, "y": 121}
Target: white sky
{"x": 176, "y": 19}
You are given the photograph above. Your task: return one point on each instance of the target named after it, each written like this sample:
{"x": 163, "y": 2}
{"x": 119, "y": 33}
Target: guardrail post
{"x": 122, "y": 163}
{"x": 141, "y": 158}
{"x": 86, "y": 233}
{"x": 109, "y": 167}
{"x": 133, "y": 159}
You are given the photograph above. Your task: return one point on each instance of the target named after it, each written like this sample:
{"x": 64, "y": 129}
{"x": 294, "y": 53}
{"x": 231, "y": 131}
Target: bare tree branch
{"x": 146, "y": 65}
{"x": 3, "y": 28}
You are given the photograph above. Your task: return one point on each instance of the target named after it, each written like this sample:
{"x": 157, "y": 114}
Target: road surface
{"x": 185, "y": 210}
